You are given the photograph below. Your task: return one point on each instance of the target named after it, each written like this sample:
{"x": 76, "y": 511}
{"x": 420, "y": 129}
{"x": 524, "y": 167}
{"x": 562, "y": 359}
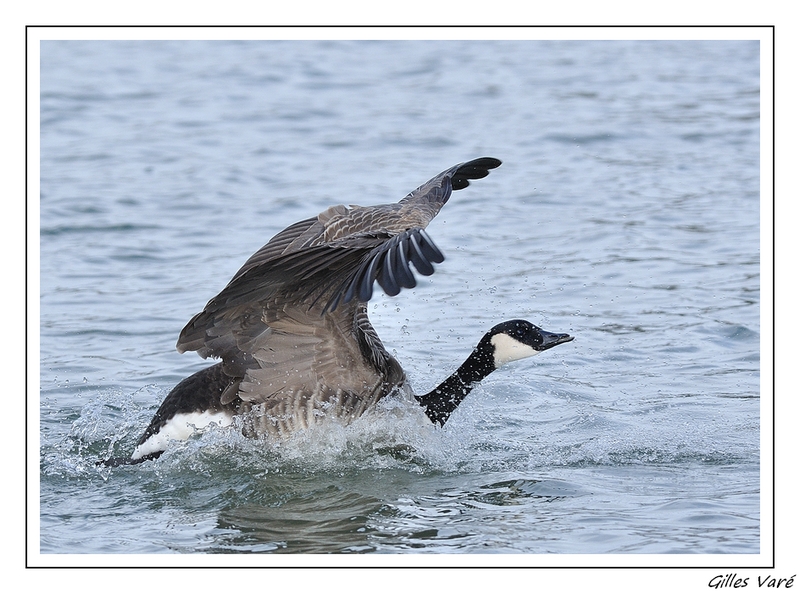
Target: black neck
{"x": 445, "y": 398}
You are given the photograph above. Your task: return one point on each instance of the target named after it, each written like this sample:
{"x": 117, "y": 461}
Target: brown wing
{"x": 292, "y": 318}
{"x": 307, "y": 362}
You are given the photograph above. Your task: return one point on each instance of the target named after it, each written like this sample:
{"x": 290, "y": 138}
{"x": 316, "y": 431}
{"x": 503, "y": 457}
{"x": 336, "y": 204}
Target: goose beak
{"x": 551, "y": 339}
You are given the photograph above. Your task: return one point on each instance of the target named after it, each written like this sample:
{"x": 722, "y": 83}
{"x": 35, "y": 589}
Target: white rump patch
{"x": 507, "y": 349}
{"x": 180, "y": 427}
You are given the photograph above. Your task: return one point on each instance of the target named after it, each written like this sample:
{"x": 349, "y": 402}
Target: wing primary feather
{"x": 403, "y": 274}
{"x": 429, "y": 248}
{"x": 352, "y": 286}
{"x": 406, "y": 262}
{"x": 387, "y": 278}
{"x": 421, "y": 263}
{"x": 349, "y": 288}
{"x": 365, "y": 285}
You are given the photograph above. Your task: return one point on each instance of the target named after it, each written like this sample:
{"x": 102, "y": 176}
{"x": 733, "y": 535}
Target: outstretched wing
{"x": 323, "y": 266}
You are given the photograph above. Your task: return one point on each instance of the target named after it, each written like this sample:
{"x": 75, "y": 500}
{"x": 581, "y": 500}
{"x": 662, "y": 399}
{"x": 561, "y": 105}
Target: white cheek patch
{"x": 180, "y": 427}
{"x": 507, "y": 349}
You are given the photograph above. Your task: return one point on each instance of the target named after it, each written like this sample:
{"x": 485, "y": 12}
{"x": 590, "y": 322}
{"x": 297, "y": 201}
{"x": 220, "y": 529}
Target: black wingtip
{"x": 475, "y": 169}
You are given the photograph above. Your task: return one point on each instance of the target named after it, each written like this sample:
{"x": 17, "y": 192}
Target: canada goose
{"x": 292, "y": 332}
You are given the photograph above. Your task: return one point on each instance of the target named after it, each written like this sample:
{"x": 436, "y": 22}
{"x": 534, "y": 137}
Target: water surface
{"x": 626, "y": 212}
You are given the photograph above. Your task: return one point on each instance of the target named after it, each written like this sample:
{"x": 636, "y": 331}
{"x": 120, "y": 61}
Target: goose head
{"x": 517, "y": 339}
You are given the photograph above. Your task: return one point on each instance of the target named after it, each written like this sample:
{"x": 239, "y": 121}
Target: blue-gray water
{"x": 626, "y": 212}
